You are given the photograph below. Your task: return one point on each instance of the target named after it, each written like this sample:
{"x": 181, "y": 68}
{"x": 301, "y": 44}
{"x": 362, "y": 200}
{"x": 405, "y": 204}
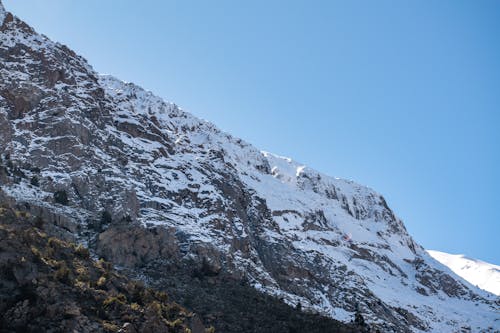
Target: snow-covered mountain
{"x": 142, "y": 181}
{"x": 482, "y": 274}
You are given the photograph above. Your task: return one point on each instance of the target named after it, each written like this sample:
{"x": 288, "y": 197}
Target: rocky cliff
{"x": 147, "y": 185}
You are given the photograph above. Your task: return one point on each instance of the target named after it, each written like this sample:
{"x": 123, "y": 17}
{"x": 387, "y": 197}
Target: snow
{"x": 3, "y": 13}
{"x": 479, "y": 273}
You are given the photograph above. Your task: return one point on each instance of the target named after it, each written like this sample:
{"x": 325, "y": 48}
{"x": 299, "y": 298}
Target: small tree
{"x": 34, "y": 181}
{"x": 359, "y": 321}
{"x": 39, "y": 222}
{"x": 61, "y": 197}
{"x": 106, "y": 217}
{"x": 299, "y": 306}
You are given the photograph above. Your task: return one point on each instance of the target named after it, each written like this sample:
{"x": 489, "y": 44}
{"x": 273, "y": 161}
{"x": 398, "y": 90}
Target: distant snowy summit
{"x": 479, "y": 273}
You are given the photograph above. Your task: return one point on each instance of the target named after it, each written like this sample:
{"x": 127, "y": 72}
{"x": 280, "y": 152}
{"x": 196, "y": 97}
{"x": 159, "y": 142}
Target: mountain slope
{"x": 146, "y": 184}
{"x": 482, "y": 274}
{"x": 49, "y": 285}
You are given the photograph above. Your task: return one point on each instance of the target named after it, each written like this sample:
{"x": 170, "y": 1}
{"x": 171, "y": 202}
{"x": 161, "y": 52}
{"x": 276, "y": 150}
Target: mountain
{"x": 172, "y": 200}
{"x": 482, "y": 274}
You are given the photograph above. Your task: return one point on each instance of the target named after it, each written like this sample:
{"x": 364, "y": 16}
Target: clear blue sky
{"x": 403, "y": 96}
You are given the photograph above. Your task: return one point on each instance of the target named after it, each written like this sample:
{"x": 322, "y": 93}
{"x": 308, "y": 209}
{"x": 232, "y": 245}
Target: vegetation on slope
{"x": 231, "y": 305}
{"x": 49, "y": 285}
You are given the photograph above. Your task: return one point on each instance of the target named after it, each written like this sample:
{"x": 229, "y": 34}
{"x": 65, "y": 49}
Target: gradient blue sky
{"x": 402, "y": 96}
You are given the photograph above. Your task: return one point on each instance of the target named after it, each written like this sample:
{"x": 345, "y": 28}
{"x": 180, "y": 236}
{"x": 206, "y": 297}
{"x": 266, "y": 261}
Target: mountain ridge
{"x": 176, "y": 187}
{"x": 477, "y": 272}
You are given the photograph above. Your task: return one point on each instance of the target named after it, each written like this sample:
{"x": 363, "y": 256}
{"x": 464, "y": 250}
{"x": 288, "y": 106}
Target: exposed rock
{"x": 135, "y": 246}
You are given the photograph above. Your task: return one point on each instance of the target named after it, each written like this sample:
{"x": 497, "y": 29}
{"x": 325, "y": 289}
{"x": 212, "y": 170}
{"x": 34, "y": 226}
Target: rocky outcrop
{"x": 137, "y": 246}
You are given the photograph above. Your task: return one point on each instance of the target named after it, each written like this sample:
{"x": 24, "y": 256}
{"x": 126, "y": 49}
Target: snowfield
{"x": 479, "y": 273}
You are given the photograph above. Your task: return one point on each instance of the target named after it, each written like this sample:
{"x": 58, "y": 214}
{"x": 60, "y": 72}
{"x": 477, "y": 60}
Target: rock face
{"x": 146, "y": 181}
{"x": 134, "y": 246}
